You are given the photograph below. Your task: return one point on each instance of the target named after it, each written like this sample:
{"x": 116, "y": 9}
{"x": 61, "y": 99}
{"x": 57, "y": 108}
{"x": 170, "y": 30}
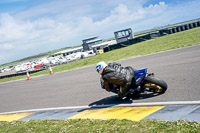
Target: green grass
{"x": 172, "y": 41}
{"x": 98, "y": 126}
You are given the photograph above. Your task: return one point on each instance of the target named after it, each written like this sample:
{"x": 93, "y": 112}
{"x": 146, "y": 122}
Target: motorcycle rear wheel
{"x": 154, "y": 84}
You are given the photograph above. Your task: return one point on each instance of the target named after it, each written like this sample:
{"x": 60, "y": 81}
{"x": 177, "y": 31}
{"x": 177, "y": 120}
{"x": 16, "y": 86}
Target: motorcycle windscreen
{"x": 140, "y": 75}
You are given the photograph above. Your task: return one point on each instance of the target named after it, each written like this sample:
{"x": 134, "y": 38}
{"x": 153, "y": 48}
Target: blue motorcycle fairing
{"x": 140, "y": 75}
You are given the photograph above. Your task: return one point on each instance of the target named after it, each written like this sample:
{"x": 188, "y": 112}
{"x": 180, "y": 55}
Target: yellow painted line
{"x": 130, "y": 113}
{"x": 13, "y": 117}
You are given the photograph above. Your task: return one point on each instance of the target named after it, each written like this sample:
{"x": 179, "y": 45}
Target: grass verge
{"x": 172, "y": 41}
{"x": 97, "y": 126}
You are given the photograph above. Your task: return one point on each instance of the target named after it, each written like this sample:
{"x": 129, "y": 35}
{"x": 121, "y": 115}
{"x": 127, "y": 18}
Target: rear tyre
{"x": 154, "y": 84}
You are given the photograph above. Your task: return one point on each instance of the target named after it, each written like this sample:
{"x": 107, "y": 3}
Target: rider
{"x": 114, "y": 73}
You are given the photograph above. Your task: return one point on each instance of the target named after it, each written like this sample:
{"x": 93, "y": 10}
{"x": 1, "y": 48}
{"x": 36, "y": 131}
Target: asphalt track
{"x": 180, "y": 68}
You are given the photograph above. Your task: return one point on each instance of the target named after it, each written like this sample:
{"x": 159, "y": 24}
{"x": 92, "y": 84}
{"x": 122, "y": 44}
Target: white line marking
{"x": 109, "y": 105}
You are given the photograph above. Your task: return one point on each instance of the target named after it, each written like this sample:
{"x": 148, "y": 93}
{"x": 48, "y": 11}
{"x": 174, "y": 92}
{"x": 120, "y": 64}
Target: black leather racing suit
{"x": 114, "y": 73}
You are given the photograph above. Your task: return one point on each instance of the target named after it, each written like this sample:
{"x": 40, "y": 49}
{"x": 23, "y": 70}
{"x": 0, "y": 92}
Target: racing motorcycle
{"x": 144, "y": 82}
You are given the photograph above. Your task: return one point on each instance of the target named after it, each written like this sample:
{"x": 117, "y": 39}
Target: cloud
{"x": 7, "y": 46}
{"x": 55, "y": 28}
{"x": 9, "y": 29}
{"x": 123, "y": 15}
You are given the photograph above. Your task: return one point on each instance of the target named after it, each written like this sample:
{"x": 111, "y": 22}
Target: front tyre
{"x": 154, "y": 84}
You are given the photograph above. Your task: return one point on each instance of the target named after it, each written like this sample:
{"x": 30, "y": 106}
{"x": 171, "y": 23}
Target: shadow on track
{"x": 111, "y": 100}
{"x": 114, "y": 100}
{"x": 145, "y": 96}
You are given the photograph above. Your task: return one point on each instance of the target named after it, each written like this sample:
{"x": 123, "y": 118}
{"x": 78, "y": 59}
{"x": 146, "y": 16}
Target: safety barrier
{"x": 19, "y": 74}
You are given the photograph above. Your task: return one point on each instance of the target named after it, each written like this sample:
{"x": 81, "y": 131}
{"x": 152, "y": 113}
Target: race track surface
{"x": 179, "y": 68}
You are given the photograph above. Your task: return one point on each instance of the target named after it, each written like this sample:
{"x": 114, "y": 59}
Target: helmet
{"x": 100, "y": 67}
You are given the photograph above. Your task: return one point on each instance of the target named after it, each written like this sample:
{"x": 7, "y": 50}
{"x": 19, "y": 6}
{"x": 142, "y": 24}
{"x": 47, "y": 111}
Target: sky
{"x": 30, "y": 27}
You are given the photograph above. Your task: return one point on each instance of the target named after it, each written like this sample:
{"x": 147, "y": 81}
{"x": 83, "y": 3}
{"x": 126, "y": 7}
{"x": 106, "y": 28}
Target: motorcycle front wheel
{"x": 154, "y": 84}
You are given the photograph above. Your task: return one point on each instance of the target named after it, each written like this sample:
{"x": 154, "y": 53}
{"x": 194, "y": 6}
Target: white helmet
{"x": 100, "y": 67}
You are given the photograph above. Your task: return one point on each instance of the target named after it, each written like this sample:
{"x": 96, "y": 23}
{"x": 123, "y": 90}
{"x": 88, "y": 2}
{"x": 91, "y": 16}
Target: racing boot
{"x": 123, "y": 91}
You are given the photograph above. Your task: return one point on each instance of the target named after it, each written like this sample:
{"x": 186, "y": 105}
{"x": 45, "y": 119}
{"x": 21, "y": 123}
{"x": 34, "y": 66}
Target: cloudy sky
{"x": 29, "y": 27}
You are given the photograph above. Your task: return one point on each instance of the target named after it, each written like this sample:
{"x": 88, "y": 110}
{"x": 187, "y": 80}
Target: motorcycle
{"x": 144, "y": 82}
